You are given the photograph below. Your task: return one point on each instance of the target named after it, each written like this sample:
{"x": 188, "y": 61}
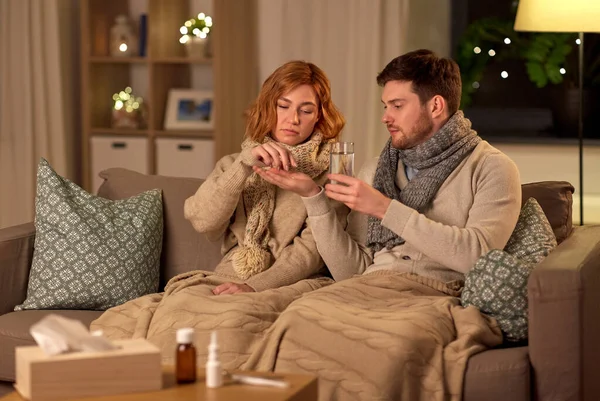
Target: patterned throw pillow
{"x": 497, "y": 284}
{"x": 89, "y": 252}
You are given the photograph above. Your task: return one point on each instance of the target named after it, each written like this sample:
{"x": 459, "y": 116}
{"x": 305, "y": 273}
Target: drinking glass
{"x": 341, "y": 159}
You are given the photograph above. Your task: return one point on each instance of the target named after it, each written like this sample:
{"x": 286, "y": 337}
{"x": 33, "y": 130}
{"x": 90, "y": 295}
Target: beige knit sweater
{"x": 474, "y": 211}
{"x": 217, "y": 210}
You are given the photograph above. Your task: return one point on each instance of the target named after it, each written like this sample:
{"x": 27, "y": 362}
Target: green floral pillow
{"x": 497, "y": 284}
{"x": 90, "y": 252}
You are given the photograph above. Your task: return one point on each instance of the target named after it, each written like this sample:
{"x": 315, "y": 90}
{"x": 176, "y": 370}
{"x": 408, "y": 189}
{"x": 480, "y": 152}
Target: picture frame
{"x": 189, "y": 109}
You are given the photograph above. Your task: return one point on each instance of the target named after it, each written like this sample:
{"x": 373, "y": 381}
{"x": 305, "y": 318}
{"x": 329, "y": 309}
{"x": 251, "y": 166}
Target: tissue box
{"x": 135, "y": 366}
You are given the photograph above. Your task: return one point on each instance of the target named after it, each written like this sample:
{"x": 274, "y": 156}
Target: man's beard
{"x": 420, "y": 132}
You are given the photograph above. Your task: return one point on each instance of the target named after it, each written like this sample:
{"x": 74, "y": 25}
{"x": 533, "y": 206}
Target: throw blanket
{"x": 381, "y": 336}
{"x": 188, "y": 301}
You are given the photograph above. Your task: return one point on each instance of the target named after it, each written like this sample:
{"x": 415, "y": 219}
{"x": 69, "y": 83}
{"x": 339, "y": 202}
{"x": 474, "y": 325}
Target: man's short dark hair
{"x": 430, "y": 75}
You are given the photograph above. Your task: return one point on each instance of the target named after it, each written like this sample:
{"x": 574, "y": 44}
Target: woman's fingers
{"x": 272, "y": 177}
{"x": 261, "y": 154}
{"x": 281, "y": 157}
{"x": 220, "y": 289}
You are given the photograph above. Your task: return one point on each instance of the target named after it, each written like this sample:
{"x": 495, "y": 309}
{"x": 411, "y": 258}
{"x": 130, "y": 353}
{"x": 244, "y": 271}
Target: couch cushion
{"x": 184, "y": 249}
{"x": 556, "y": 199}
{"x": 498, "y": 375}
{"x": 14, "y": 331}
{"x": 91, "y": 253}
{"x": 497, "y": 284}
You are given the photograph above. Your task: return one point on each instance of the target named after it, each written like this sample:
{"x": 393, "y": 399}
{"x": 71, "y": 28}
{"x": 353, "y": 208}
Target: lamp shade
{"x": 558, "y": 16}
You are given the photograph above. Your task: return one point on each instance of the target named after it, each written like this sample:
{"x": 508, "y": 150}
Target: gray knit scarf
{"x": 434, "y": 159}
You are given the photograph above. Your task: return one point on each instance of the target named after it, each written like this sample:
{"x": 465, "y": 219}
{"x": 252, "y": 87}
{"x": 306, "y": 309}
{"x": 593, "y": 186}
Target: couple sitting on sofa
{"x": 398, "y": 241}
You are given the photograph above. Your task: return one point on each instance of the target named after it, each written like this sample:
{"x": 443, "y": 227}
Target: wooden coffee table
{"x": 302, "y": 388}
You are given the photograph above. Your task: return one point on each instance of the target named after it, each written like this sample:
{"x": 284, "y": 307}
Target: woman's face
{"x": 297, "y": 114}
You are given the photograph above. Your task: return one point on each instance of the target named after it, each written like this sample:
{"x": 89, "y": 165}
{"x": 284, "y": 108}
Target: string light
{"x": 477, "y": 50}
{"x": 199, "y": 28}
{"x": 492, "y": 52}
{"x": 507, "y": 41}
{"x": 562, "y": 71}
{"x": 578, "y": 41}
{"x": 476, "y": 85}
{"x": 126, "y": 99}
{"x": 504, "y": 74}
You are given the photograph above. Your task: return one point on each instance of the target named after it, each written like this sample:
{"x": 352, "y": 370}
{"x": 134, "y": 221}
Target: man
{"x": 436, "y": 199}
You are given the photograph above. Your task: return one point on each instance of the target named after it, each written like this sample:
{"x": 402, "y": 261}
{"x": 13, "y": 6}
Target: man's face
{"x": 408, "y": 122}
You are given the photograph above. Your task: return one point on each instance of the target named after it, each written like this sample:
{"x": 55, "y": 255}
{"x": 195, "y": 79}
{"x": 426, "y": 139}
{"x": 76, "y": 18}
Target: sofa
{"x": 556, "y": 363}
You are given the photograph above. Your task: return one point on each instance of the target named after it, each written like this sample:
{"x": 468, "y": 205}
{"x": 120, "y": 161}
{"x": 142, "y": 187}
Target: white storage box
{"x": 185, "y": 157}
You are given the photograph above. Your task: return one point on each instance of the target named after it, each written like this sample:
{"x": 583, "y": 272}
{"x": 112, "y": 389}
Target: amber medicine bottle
{"x": 185, "y": 356}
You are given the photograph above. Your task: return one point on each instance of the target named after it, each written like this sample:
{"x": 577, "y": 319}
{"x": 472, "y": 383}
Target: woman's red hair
{"x": 261, "y": 116}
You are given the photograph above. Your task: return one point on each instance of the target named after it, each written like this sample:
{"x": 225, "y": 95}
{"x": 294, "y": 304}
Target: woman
{"x": 270, "y": 256}
{"x": 265, "y": 239}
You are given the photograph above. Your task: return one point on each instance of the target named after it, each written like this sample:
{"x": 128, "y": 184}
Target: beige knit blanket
{"x": 240, "y": 319}
{"x": 382, "y": 336}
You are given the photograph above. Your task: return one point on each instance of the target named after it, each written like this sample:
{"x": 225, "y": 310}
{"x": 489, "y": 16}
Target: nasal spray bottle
{"x": 214, "y": 371}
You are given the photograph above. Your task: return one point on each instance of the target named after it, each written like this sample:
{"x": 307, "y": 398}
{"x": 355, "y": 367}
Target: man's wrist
{"x": 385, "y": 204}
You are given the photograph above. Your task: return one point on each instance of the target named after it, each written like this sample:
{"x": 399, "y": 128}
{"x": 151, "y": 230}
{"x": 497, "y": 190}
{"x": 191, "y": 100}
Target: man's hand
{"x": 297, "y": 182}
{"x": 232, "y": 288}
{"x": 357, "y": 195}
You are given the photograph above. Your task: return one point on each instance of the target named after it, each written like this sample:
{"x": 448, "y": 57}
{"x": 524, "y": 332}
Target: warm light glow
{"x": 201, "y": 16}
{"x": 562, "y": 71}
{"x": 206, "y": 29}
{"x": 492, "y": 52}
{"x": 208, "y": 21}
{"x": 477, "y": 50}
{"x": 476, "y": 85}
{"x": 196, "y": 31}
{"x": 558, "y": 16}
{"x": 183, "y": 30}
{"x": 126, "y": 100}
{"x": 123, "y": 47}
{"x": 184, "y": 39}
{"x": 578, "y": 41}
{"x": 202, "y": 35}
{"x": 504, "y": 74}
{"x": 188, "y": 23}
{"x": 507, "y": 41}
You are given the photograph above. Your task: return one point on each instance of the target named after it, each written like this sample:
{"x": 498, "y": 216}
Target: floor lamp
{"x": 563, "y": 16}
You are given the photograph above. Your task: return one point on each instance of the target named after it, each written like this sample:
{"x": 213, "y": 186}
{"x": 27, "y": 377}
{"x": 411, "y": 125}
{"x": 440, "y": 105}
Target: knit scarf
{"x": 253, "y": 256}
{"x": 434, "y": 159}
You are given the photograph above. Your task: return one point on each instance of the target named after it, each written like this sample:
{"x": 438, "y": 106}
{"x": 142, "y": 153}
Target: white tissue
{"x": 57, "y": 335}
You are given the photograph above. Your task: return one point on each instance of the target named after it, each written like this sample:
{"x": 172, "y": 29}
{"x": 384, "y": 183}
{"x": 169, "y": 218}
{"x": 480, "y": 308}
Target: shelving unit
{"x": 166, "y": 66}
{"x": 231, "y": 74}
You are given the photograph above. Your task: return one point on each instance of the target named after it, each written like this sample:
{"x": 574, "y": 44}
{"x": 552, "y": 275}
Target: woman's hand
{"x": 232, "y": 288}
{"x": 273, "y": 155}
{"x": 297, "y": 182}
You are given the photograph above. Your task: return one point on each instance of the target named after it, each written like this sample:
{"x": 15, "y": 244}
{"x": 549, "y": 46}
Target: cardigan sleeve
{"x": 210, "y": 209}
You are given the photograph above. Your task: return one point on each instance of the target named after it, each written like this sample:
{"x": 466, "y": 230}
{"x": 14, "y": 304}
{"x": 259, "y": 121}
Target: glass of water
{"x": 341, "y": 159}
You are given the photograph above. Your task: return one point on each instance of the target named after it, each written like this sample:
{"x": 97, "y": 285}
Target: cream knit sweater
{"x": 475, "y": 210}
{"x": 217, "y": 210}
